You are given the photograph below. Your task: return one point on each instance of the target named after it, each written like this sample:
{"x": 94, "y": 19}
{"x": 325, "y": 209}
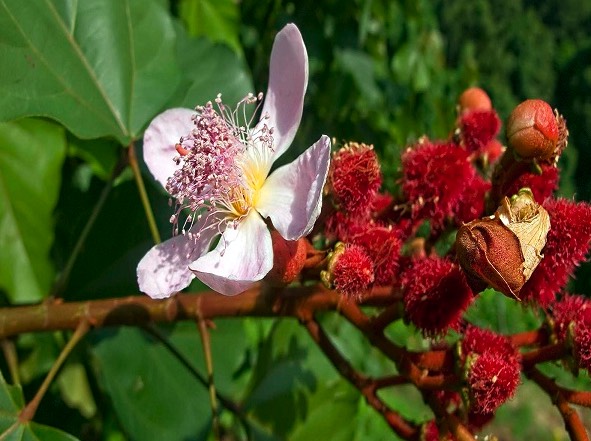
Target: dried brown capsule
{"x": 503, "y": 250}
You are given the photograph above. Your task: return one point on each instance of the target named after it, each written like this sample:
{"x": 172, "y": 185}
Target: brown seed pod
{"x": 503, "y": 250}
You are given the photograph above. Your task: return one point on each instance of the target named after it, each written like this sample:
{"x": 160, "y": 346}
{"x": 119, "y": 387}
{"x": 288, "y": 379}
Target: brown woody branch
{"x": 141, "y": 310}
{"x": 428, "y": 371}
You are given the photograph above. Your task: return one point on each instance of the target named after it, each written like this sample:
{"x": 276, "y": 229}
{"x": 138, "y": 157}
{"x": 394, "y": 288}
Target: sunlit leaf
{"x": 218, "y": 20}
{"x": 100, "y": 67}
{"x": 224, "y": 72}
{"x": 494, "y": 310}
{"x": 31, "y": 157}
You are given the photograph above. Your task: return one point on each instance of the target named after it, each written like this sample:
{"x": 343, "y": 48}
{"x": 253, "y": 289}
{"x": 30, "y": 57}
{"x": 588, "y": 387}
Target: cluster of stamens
{"x": 215, "y": 159}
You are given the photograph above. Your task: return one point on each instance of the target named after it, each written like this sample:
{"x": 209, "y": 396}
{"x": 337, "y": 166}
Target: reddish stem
{"x": 545, "y": 353}
{"x": 366, "y": 386}
{"x": 572, "y": 422}
{"x": 530, "y": 338}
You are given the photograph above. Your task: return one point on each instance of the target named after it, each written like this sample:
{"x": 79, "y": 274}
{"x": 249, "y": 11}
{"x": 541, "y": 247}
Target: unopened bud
{"x": 474, "y": 98}
{"x": 503, "y": 250}
{"x": 532, "y": 130}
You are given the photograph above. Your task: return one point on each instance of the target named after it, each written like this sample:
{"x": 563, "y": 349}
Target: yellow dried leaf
{"x": 530, "y": 222}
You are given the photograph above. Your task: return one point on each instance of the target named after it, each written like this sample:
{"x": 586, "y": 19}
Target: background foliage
{"x": 80, "y": 81}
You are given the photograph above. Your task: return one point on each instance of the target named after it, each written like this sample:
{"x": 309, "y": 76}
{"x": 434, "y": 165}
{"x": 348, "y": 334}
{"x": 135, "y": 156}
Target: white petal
{"x": 164, "y": 270}
{"x": 159, "y": 139}
{"x": 242, "y": 257}
{"x": 288, "y": 79}
{"x": 292, "y": 196}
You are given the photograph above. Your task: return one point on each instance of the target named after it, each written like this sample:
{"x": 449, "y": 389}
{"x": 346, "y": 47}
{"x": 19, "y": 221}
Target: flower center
{"x": 223, "y": 165}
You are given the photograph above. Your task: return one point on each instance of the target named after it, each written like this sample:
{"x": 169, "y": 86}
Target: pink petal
{"x": 292, "y": 196}
{"x": 288, "y": 79}
{"x": 242, "y": 257}
{"x": 164, "y": 270}
{"x": 159, "y": 139}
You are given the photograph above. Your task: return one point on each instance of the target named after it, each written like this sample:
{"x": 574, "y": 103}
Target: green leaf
{"x": 100, "y": 154}
{"x": 154, "y": 395}
{"x": 106, "y": 264}
{"x": 12, "y": 429}
{"x": 332, "y": 415}
{"x": 219, "y": 20}
{"x": 498, "y": 312}
{"x": 31, "y": 157}
{"x": 291, "y": 382}
{"x": 100, "y": 67}
{"x": 209, "y": 69}
{"x": 361, "y": 68}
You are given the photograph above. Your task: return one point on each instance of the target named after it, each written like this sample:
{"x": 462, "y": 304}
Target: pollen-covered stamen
{"x": 223, "y": 165}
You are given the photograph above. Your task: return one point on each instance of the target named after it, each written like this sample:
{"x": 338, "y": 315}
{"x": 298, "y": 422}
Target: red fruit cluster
{"x": 492, "y": 367}
{"x": 542, "y": 182}
{"x": 435, "y": 179}
{"x": 355, "y": 177}
{"x": 354, "y": 181}
{"x": 567, "y": 245}
{"x": 478, "y": 128}
{"x": 572, "y": 320}
{"x": 435, "y": 295}
{"x": 352, "y": 271}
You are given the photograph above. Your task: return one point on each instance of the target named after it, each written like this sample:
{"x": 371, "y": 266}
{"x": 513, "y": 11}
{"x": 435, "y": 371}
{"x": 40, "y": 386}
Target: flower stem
{"x": 11, "y": 357}
{"x": 137, "y": 174}
{"x": 205, "y": 341}
{"x": 30, "y": 409}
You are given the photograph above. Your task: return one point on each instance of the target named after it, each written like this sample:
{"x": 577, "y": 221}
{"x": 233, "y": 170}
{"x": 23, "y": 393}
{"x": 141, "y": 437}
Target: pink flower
{"x": 217, "y": 167}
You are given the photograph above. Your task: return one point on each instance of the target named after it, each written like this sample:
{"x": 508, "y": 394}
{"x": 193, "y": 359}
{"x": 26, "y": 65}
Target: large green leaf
{"x": 100, "y": 67}
{"x": 153, "y": 394}
{"x": 12, "y": 429}
{"x": 31, "y": 157}
{"x": 295, "y": 386}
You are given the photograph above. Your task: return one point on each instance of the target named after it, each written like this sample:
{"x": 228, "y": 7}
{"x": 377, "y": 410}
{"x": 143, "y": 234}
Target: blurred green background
{"x": 381, "y": 72}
